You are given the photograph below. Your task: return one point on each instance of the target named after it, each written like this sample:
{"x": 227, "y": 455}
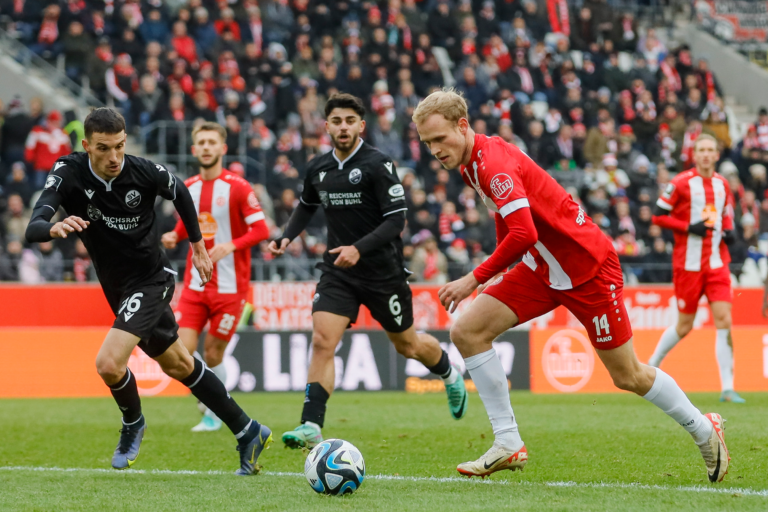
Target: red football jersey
{"x": 570, "y": 247}
{"x": 226, "y": 209}
{"x": 692, "y": 198}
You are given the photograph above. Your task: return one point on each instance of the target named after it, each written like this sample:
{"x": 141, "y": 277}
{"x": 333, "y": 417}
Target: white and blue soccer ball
{"x": 335, "y": 467}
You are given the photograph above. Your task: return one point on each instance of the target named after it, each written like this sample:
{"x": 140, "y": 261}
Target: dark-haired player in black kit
{"x": 364, "y": 204}
{"x": 109, "y": 198}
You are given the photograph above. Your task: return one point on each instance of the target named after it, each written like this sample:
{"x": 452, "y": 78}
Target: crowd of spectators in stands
{"x": 609, "y": 108}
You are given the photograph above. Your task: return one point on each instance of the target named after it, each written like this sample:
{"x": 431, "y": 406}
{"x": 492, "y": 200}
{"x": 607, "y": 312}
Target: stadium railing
{"x": 159, "y": 137}
{"x": 31, "y": 61}
{"x": 303, "y": 269}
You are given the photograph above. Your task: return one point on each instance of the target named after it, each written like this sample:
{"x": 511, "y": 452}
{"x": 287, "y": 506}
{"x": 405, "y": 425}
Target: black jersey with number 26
{"x": 122, "y": 238}
{"x": 357, "y": 194}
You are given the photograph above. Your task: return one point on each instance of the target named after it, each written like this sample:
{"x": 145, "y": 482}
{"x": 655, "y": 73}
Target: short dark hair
{"x": 344, "y": 100}
{"x": 103, "y": 120}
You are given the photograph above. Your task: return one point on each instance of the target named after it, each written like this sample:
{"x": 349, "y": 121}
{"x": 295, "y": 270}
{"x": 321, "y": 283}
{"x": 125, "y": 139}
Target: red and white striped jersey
{"x": 226, "y": 210}
{"x": 570, "y": 247}
{"x": 692, "y": 198}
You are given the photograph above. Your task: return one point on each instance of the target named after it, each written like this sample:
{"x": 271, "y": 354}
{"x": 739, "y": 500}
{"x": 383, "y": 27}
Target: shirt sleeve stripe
{"x": 254, "y": 217}
{"x": 663, "y": 204}
{"x": 395, "y": 211}
{"x": 514, "y": 206}
{"x": 308, "y": 204}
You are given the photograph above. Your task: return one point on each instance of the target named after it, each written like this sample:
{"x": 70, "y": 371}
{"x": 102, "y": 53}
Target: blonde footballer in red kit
{"x": 566, "y": 260}
{"x": 231, "y": 222}
{"x": 697, "y": 206}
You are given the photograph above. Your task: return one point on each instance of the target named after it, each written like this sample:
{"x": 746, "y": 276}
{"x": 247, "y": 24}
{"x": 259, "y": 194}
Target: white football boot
{"x": 495, "y": 459}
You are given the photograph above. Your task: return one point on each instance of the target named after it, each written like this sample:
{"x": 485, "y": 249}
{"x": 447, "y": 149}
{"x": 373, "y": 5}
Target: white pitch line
{"x": 425, "y": 479}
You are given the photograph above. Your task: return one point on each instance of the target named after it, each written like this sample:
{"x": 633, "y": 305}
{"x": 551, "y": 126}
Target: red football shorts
{"x": 195, "y": 309}
{"x": 690, "y": 286}
{"x": 598, "y": 304}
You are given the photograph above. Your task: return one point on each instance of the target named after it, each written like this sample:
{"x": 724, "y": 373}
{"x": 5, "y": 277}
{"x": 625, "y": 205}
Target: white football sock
{"x": 491, "y": 383}
{"x": 724, "y": 353}
{"x": 667, "y": 396}
{"x": 668, "y": 340}
{"x": 452, "y": 376}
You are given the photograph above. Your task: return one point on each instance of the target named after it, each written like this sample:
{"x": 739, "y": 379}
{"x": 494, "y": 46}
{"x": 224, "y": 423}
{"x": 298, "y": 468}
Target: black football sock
{"x": 211, "y": 391}
{"x": 126, "y": 394}
{"x": 315, "y": 399}
{"x": 443, "y": 367}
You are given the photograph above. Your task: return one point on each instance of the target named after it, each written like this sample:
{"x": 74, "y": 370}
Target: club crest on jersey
{"x": 93, "y": 212}
{"x": 132, "y": 198}
{"x": 355, "y": 175}
{"x": 53, "y": 182}
{"x": 501, "y": 186}
{"x": 323, "y": 198}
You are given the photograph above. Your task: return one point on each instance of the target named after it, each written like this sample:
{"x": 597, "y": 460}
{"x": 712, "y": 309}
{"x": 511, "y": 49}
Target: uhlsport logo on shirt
{"x": 501, "y": 186}
{"x": 132, "y": 198}
{"x": 567, "y": 360}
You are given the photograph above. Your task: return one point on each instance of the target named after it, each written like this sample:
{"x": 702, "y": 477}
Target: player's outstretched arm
{"x": 521, "y": 236}
{"x": 296, "y": 224}
{"x": 41, "y": 229}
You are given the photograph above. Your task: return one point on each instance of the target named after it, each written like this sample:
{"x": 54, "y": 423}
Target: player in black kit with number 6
{"x": 364, "y": 204}
{"x": 109, "y": 198}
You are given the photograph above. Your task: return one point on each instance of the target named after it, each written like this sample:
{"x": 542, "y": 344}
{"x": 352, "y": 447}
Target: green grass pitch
{"x": 587, "y": 452}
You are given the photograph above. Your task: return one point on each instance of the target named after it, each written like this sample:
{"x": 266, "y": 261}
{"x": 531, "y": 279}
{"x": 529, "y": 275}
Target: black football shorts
{"x": 145, "y": 311}
{"x": 390, "y": 305}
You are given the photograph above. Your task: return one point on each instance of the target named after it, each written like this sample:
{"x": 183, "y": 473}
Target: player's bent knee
{"x": 109, "y": 371}
{"x": 214, "y": 355}
{"x": 180, "y": 369}
{"x": 323, "y": 345}
{"x": 405, "y": 348}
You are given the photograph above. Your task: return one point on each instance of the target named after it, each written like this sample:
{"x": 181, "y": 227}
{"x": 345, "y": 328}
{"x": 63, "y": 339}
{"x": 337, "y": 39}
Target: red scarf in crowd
{"x": 503, "y": 110}
{"x": 178, "y": 114}
{"x": 430, "y": 266}
{"x": 546, "y": 75}
{"x": 558, "y": 16}
{"x": 672, "y": 75}
{"x": 256, "y": 33}
{"x": 415, "y": 147}
{"x": 526, "y": 82}
{"x": 18, "y": 6}
{"x": 49, "y": 32}
{"x": 407, "y": 38}
{"x": 709, "y": 81}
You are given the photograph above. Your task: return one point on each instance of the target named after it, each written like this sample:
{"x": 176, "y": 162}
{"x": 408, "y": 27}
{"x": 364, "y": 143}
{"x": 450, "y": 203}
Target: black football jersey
{"x": 123, "y": 237}
{"x": 356, "y": 195}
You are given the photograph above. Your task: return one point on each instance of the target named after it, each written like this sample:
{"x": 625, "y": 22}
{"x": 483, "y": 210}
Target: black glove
{"x": 729, "y": 237}
{"x": 699, "y": 229}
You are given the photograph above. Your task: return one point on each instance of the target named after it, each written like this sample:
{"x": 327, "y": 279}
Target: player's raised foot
{"x": 250, "y": 451}
{"x": 457, "y": 395}
{"x": 304, "y": 436}
{"x": 209, "y": 423}
{"x": 127, "y": 450}
{"x": 714, "y": 451}
{"x": 495, "y": 459}
{"x": 730, "y": 395}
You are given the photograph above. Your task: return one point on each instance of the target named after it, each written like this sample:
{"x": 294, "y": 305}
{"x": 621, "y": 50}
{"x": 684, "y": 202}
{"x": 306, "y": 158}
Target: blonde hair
{"x": 704, "y": 136}
{"x": 447, "y": 102}
{"x": 210, "y": 126}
